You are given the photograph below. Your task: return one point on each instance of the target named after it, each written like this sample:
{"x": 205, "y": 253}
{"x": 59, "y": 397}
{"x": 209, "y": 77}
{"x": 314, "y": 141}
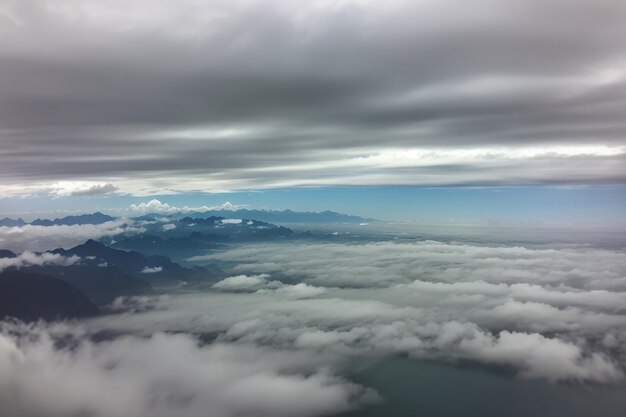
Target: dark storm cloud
{"x": 230, "y": 91}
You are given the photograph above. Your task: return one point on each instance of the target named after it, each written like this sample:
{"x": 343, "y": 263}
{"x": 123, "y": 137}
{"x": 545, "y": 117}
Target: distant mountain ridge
{"x": 123, "y": 272}
{"x": 92, "y": 218}
{"x": 103, "y": 273}
{"x": 272, "y": 216}
{"x": 12, "y": 222}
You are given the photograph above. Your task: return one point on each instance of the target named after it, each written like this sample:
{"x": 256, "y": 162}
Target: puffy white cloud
{"x": 542, "y": 357}
{"x": 261, "y": 284}
{"x": 30, "y": 259}
{"x": 300, "y": 290}
{"x": 156, "y": 206}
{"x": 153, "y": 205}
{"x": 169, "y": 226}
{"x": 162, "y": 375}
{"x": 232, "y": 221}
{"x": 242, "y": 282}
{"x": 151, "y": 270}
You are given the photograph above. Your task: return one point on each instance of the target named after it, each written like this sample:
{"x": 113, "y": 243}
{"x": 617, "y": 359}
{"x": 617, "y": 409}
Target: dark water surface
{"x": 426, "y": 389}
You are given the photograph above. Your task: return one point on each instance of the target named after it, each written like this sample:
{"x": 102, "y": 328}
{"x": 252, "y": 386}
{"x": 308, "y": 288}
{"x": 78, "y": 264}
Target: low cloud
{"x": 29, "y": 259}
{"x": 261, "y": 284}
{"x": 414, "y": 297}
{"x": 386, "y": 263}
{"x": 41, "y": 238}
{"x": 151, "y": 270}
{"x": 242, "y": 282}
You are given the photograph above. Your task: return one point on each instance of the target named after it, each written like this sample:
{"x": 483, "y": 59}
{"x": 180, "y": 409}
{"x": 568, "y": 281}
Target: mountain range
{"x": 272, "y": 216}
{"x": 276, "y": 216}
{"x": 93, "y": 218}
{"x": 105, "y": 273}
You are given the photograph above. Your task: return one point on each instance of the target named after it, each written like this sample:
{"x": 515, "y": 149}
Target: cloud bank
{"x": 29, "y": 259}
{"x": 563, "y": 307}
{"x": 41, "y": 238}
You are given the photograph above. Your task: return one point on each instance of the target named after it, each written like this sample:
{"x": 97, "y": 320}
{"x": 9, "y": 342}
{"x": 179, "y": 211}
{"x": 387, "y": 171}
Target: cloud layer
{"x": 274, "y": 337}
{"x": 551, "y": 313}
{"x": 41, "y": 238}
{"x": 225, "y": 95}
{"x": 30, "y": 258}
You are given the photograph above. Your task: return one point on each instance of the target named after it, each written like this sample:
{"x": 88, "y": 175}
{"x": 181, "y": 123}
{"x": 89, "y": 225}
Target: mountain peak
{"x": 12, "y": 222}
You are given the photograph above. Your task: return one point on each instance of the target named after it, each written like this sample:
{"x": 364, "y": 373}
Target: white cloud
{"x": 169, "y": 226}
{"x": 151, "y": 270}
{"x": 300, "y": 290}
{"x": 261, "y": 284}
{"x": 153, "y": 205}
{"x": 98, "y": 189}
{"x": 29, "y": 259}
{"x": 232, "y": 221}
{"x": 41, "y": 238}
{"x": 542, "y": 357}
{"x": 242, "y": 282}
{"x": 156, "y": 206}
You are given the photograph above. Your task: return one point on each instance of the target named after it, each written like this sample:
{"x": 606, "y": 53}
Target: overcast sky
{"x": 155, "y": 97}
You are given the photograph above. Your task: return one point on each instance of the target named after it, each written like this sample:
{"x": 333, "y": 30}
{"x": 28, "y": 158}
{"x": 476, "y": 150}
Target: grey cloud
{"x": 96, "y": 190}
{"x": 98, "y": 91}
{"x": 364, "y": 327}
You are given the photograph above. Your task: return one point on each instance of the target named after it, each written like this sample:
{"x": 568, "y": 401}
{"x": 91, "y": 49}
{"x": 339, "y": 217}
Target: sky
{"x": 559, "y": 206}
{"x": 242, "y": 100}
